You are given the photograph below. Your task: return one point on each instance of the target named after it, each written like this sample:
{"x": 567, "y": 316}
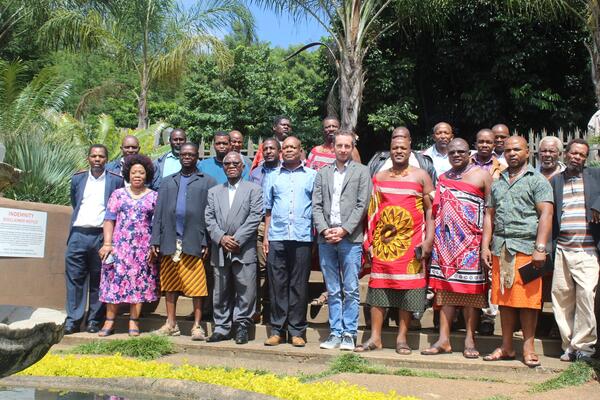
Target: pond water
{"x": 44, "y": 394}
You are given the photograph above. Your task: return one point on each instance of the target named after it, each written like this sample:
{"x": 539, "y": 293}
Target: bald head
{"x": 237, "y": 140}
{"x": 401, "y": 131}
{"x": 291, "y": 150}
{"x": 458, "y": 143}
{"x": 130, "y": 145}
{"x": 458, "y": 153}
{"x": 516, "y": 152}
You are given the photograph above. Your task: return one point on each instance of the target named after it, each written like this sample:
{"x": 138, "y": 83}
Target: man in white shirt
{"x": 442, "y": 135}
{"x": 90, "y": 191}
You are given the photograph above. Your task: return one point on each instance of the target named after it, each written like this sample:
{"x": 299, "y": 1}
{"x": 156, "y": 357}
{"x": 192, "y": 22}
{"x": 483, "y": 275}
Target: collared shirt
{"x": 492, "y": 165}
{"x": 516, "y": 219}
{"x": 574, "y": 233}
{"x": 501, "y": 159}
{"x": 172, "y": 165}
{"x": 231, "y": 189}
{"x": 92, "y": 209}
{"x": 213, "y": 167}
{"x": 441, "y": 163}
{"x": 258, "y": 174}
{"x": 561, "y": 167}
{"x": 412, "y": 161}
{"x": 338, "y": 180}
{"x": 288, "y": 194}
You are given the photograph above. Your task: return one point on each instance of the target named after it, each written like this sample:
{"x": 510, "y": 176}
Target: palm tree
{"x": 154, "y": 37}
{"x": 585, "y": 12}
{"x": 354, "y": 27}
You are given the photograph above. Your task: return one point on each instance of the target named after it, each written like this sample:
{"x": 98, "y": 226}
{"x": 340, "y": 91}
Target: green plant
{"x": 144, "y": 348}
{"x": 577, "y": 374}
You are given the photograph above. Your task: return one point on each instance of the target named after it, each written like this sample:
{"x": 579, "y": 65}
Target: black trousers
{"x": 288, "y": 269}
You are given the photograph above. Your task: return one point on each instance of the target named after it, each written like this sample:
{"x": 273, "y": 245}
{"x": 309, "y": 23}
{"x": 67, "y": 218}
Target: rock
{"x": 9, "y": 176}
{"x": 26, "y": 335}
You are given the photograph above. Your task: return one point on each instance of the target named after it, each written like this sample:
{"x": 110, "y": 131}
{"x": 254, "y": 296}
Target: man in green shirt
{"x": 517, "y": 225}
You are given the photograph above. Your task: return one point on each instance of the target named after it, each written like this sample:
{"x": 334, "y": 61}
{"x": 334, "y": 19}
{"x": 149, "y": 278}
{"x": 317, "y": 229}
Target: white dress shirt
{"x": 231, "y": 191}
{"x": 335, "y": 217}
{"x": 92, "y": 209}
{"x": 441, "y": 163}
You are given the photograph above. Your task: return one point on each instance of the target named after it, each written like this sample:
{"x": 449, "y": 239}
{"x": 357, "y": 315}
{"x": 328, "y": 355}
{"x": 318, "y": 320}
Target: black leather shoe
{"x": 241, "y": 336}
{"x": 93, "y": 328}
{"x": 217, "y": 337}
{"x": 69, "y": 330}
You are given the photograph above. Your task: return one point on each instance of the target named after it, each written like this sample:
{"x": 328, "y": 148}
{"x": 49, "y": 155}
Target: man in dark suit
{"x": 178, "y": 235}
{"x": 576, "y": 241}
{"x": 90, "y": 191}
{"x": 340, "y": 200}
{"x": 234, "y": 211}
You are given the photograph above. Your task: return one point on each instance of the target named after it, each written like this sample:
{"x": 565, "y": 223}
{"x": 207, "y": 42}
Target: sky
{"x": 281, "y": 31}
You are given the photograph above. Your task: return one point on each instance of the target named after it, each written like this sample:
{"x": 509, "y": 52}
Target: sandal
{"x": 403, "y": 349}
{"x": 368, "y": 346}
{"x": 531, "y": 360}
{"x": 321, "y": 300}
{"x": 134, "y": 332}
{"x": 436, "y": 350}
{"x": 498, "y": 355}
{"x": 470, "y": 352}
{"x": 104, "y": 332}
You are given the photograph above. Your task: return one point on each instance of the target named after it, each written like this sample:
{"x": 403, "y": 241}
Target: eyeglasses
{"x": 234, "y": 163}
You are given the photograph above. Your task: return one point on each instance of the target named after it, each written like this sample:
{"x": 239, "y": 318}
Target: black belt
{"x": 87, "y": 229}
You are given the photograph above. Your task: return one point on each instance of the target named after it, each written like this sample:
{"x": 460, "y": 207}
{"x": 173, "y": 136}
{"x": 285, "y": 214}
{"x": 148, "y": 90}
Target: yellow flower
{"x": 393, "y": 233}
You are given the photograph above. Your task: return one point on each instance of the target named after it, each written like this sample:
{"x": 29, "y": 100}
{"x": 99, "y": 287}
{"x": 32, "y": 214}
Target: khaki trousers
{"x": 573, "y": 291}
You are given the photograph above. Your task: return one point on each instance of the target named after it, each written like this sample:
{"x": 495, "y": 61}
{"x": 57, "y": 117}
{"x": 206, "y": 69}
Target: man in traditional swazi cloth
{"x": 456, "y": 273}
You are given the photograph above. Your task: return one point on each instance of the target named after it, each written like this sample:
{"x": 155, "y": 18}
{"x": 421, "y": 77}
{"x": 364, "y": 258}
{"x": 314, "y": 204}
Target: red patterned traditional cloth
{"x": 394, "y": 228}
{"x": 458, "y": 210}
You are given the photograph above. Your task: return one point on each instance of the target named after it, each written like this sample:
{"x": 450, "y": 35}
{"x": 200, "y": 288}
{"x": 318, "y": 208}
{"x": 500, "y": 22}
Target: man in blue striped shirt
{"x": 288, "y": 242}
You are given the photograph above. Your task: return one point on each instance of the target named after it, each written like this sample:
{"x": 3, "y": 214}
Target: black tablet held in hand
{"x": 529, "y": 273}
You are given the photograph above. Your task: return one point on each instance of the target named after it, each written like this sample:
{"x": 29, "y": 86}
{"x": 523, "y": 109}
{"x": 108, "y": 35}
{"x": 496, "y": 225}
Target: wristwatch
{"x": 540, "y": 247}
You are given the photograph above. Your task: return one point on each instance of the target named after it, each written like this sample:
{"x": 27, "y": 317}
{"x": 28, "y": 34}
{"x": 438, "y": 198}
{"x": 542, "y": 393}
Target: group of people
{"x": 479, "y": 228}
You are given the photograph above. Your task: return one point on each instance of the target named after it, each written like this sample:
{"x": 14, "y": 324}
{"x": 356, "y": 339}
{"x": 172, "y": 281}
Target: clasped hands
{"x": 334, "y": 235}
{"x": 229, "y": 243}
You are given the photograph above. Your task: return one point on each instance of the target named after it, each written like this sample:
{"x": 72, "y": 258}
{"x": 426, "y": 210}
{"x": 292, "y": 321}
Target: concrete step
{"x": 318, "y": 332}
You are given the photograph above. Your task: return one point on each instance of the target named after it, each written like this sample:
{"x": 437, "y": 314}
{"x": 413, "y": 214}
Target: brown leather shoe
{"x": 298, "y": 341}
{"x": 273, "y": 340}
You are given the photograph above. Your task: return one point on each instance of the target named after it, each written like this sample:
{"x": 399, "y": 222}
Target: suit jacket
{"x": 159, "y": 165}
{"x": 591, "y": 188}
{"x": 424, "y": 161}
{"x": 354, "y": 200}
{"x": 240, "y": 221}
{"x": 164, "y": 232}
{"x": 112, "y": 182}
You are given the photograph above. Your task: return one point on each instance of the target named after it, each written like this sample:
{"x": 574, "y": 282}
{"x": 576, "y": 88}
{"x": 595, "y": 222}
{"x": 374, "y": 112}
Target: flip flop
{"x": 403, "y": 349}
{"x": 435, "y": 350}
{"x": 368, "y": 346}
{"x": 498, "y": 355}
{"x": 531, "y": 360}
{"x": 470, "y": 352}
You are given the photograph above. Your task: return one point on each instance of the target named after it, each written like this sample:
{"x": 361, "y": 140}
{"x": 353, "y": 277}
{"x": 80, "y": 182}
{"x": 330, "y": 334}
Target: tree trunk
{"x": 143, "y": 104}
{"x": 351, "y": 88}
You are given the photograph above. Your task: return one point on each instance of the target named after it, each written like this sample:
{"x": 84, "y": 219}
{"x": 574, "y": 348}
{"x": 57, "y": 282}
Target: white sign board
{"x": 22, "y": 233}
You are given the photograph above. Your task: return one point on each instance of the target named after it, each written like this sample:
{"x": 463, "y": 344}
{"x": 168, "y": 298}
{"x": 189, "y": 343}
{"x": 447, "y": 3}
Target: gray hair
{"x": 552, "y": 140}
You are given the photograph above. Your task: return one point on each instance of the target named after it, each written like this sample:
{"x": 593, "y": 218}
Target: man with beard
{"x": 550, "y": 150}
{"x": 442, "y": 135}
{"x": 517, "y": 227}
{"x": 484, "y": 157}
{"x": 168, "y": 163}
{"x": 213, "y": 166}
{"x": 282, "y": 127}
{"x": 501, "y": 133}
{"x": 130, "y": 145}
{"x": 456, "y": 275}
{"x": 576, "y": 240}
{"x": 90, "y": 191}
{"x": 179, "y": 237}
{"x": 324, "y": 154}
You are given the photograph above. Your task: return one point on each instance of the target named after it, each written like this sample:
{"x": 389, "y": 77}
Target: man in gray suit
{"x": 232, "y": 216}
{"x": 340, "y": 200}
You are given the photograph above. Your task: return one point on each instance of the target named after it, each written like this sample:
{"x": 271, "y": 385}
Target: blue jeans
{"x": 340, "y": 264}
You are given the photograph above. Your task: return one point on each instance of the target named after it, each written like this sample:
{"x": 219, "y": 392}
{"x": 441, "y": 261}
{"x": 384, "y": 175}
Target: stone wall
{"x": 38, "y": 282}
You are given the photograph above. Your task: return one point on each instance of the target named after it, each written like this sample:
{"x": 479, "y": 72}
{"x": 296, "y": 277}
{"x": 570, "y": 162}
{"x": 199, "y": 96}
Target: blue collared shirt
{"x": 288, "y": 194}
{"x": 214, "y": 168}
{"x": 171, "y": 166}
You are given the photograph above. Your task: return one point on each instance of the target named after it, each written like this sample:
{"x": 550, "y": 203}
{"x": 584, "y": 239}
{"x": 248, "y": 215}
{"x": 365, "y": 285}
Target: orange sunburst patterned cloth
{"x": 394, "y": 228}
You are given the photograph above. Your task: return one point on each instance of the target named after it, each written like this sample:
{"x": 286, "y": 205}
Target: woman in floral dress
{"x": 129, "y": 275}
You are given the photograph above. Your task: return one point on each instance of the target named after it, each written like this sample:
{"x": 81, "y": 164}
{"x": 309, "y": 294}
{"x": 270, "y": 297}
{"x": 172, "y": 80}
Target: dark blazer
{"x": 240, "y": 221}
{"x": 591, "y": 187}
{"x": 115, "y": 166}
{"x": 354, "y": 200}
{"x": 164, "y": 226}
{"x": 78, "y": 182}
{"x": 159, "y": 165}
{"x": 424, "y": 161}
